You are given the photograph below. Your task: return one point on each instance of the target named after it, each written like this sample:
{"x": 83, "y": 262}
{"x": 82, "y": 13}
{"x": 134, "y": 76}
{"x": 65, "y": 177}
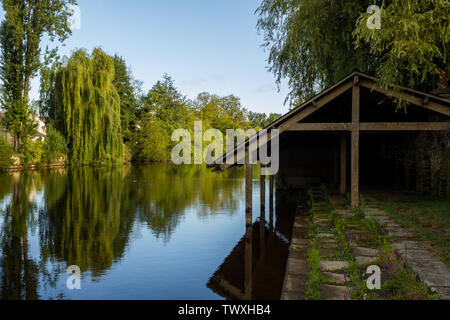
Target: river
{"x": 156, "y": 231}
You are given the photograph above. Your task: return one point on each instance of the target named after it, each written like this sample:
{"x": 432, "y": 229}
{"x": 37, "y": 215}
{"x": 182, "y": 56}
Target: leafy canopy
{"x": 25, "y": 23}
{"x": 310, "y": 43}
{"x": 413, "y": 42}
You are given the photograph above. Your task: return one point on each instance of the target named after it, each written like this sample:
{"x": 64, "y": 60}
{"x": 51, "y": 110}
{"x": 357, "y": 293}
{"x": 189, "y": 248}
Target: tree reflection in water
{"x": 85, "y": 216}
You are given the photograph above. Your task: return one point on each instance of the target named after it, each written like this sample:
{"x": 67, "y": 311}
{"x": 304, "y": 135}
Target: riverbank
{"x": 17, "y": 168}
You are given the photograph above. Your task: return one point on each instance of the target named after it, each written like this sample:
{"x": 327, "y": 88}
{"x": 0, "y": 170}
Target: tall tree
{"x": 221, "y": 112}
{"x": 166, "y": 102}
{"x": 310, "y": 43}
{"x": 26, "y": 22}
{"x": 88, "y": 108}
{"x": 126, "y": 88}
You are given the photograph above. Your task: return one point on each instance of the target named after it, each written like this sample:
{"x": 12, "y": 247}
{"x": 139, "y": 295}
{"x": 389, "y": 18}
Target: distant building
{"x": 41, "y": 130}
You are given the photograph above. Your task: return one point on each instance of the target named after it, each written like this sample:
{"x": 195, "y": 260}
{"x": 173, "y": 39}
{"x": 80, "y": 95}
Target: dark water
{"x": 138, "y": 232}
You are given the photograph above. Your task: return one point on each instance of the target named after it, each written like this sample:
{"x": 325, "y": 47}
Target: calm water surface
{"x": 139, "y": 232}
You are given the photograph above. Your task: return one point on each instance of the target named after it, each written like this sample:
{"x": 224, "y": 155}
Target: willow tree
{"x": 413, "y": 41}
{"x": 88, "y": 108}
{"x": 310, "y": 43}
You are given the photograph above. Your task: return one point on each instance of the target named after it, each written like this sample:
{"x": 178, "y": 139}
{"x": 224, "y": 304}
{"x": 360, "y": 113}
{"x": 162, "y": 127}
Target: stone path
{"x": 334, "y": 285}
{"x": 424, "y": 263}
{"x": 294, "y": 286}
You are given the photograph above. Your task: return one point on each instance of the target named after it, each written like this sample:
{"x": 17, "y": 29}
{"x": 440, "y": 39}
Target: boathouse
{"x": 353, "y": 135}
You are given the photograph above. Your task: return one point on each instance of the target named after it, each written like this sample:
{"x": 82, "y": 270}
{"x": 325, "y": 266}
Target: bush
{"x": 31, "y": 151}
{"x": 54, "y": 146}
{"x": 6, "y": 152}
{"x": 153, "y": 141}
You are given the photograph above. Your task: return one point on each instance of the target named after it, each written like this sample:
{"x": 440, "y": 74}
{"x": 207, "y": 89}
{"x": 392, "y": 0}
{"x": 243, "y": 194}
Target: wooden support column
{"x": 248, "y": 189}
{"x": 262, "y": 186}
{"x": 343, "y": 187}
{"x": 271, "y": 185}
{"x": 355, "y": 142}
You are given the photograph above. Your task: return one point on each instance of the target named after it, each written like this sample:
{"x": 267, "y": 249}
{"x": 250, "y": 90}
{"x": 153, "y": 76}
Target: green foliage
{"x": 5, "y": 153}
{"x": 412, "y": 44}
{"x": 153, "y": 142}
{"x": 165, "y": 109}
{"x": 314, "y": 281}
{"x": 54, "y": 145}
{"x": 310, "y": 42}
{"x": 88, "y": 108}
{"x": 221, "y": 113}
{"x": 31, "y": 151}
{"x": 261, "y": 120}
{"x": 127, "y": 90}
{"x": 166, "y": 103}
{"x": 25, "y": 23}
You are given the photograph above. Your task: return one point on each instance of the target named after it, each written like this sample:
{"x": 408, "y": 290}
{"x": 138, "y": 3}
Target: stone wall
{"x": 421, "y": 162}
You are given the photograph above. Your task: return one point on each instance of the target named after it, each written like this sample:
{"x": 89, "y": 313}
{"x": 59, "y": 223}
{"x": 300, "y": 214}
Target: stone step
{"x": 325, "y": 265}
{"x": 365, "y": 261}
{"x": 326, "y": 235}
{"x": 361, "y": 251}
{"x": 329, "y": 292}
{"x": 399, "y": 233}
{"x": 338, "y": 278}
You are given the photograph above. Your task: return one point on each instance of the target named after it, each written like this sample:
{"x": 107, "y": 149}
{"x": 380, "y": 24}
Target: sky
{"x": 204, "y": 45}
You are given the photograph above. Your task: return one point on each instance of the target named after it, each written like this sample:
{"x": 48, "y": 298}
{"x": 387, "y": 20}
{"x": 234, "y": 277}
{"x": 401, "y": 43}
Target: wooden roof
{"x": 289, "y": 121}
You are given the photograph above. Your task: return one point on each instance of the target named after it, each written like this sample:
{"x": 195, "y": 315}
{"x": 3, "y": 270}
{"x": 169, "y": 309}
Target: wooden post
{"x": 271, "y": 185}
{"x": 262, "y": 216}
{"x": 248, "y": 189}
{"x": 262, "y": 186}
{"x": 343, "y": 188}
{"x": 355, "y": 142}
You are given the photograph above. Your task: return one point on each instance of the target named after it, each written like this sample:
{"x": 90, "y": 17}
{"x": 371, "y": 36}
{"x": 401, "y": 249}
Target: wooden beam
{"x": 320, "y": 127}
{"x": 372, "y": 126}
{"x": 343, "y": 188}
{"x": 248, "y": 189}
{"x": 315, "y": 105}
{"x": 418, "y": 101}
{"x": 262, "y": 200}
{"x": 356, "y": 99}
{"x": 405, "y": 126}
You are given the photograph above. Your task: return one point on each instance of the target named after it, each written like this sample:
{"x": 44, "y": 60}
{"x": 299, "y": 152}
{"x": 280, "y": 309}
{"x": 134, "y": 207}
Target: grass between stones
{"x": 356, "y": 232}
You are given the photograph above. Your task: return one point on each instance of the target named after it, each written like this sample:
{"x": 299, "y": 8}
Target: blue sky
{"x": 205, "y": 45}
